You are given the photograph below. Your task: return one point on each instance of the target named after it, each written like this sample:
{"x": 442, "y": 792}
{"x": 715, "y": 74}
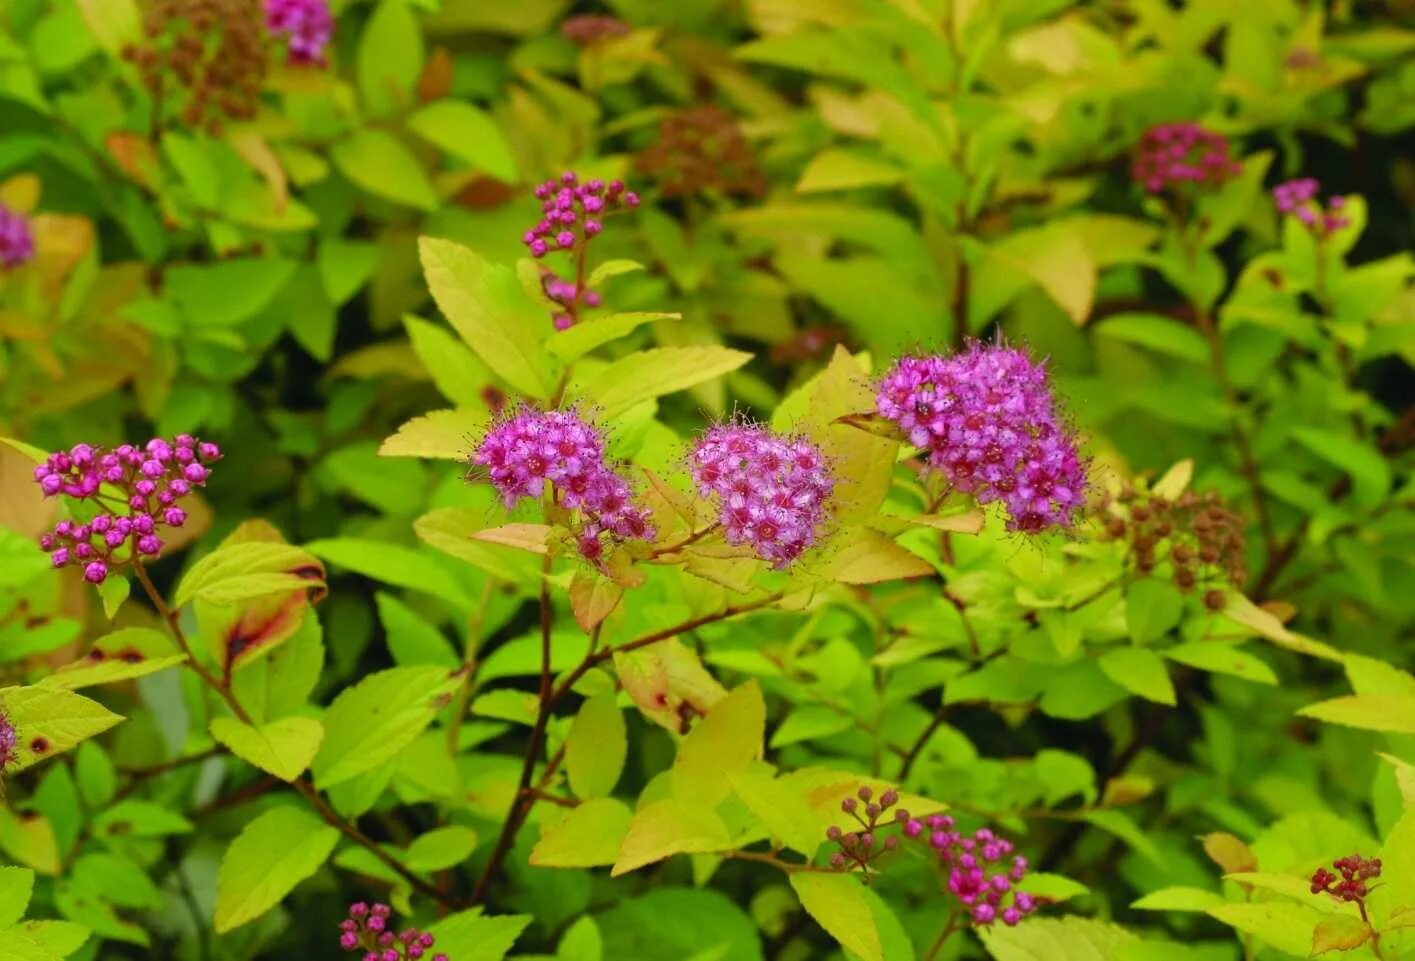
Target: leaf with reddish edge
{"x": 237, "y": 634}
{"x": 1340, "y": 932}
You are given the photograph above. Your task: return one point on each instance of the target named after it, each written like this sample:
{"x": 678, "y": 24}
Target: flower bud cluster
{"x": 1298, "y": 198}
{"x": 859, "y": 848}
{"x": 367, "y": 929}
{"x": 16, "y": 239}
{"x": 983, "y": 873}
{"x": 773, "y": 492}
{"x": 206, "y": 56}
{"x": 1349, "y": 881}
{"x": 988, "y": 421}
{"x": 572, "y": 214}
{"x": 139, "y": 492}
{"x": 307, "y": 25}
{"x": 1203, "y": 540}
{"x": 530, "y": 448}
{"x": 702, "y": 150}
{"x": 1173, "y": 154}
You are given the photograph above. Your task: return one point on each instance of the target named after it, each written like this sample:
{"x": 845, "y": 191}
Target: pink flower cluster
{"x": 531, "y": 448}
{"x": 1171, "y": 154}
{"x": 308, "y": 25}
{"x": 572, "y": 214}
{"x": 138, "y": 491}
{"x": 773, "y": 492}
{"x": 988, "y": 421}
{"x": 1299, "y": 198}
{"x": 983, "y": 873}
{"x": 366, "y": 929}
{"x": 8, "y": 737}
{"x": 16, "y": 239}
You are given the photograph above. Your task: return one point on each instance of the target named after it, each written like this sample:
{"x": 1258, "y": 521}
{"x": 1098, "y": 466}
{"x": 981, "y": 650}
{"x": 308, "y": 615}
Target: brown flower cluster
{"x": 202, "y": 60}
{"x": 1202, "y": 539}
{"x": 701, "y": 149}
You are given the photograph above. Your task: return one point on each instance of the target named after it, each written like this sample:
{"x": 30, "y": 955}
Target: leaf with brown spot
{"x": 122, "y": 655}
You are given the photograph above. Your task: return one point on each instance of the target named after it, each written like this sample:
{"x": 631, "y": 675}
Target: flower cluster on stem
{"x": 16, "y": 239}
{"x": 1348, "y": 882}
{"x": 138, "y": 491}
{"x": 983, "y": 873}
{"x": 858, "y": 849}
{"x": 572, "y": 214}
{"x": 530, "y": 449}
{"x": 1299, "y": 198}
{"x": 988, "y": 421}
{"x": 307, "y": 26}
{"x": 773, "y": 492}
{"x": 1174, "y": 154}
{"x": 1202, "y": 539}
{"x": 367, "y": 929}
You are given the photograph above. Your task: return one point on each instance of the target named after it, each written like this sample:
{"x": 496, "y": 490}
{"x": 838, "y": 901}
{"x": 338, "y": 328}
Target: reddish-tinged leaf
{"x": 592, "y": 599}
{"x": 525, "y": 537}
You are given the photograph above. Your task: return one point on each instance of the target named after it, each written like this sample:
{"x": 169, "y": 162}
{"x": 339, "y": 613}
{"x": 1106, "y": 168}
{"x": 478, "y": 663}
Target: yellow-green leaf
{"x": 369, "y": 723}
{"x": 237, "y": 572}
{"x": 589, "y": 835}
{"x": 647, "y": 374}
{"x": 442, "y": 434}
{"x": 838, "y": 904}
{"x": 1373, "y": 712}
{"x": 1287, "y": 927}
{"x": 380, "y": 163}
{"x": 488, "y": 307}
{"x": 284, "y": 748}
{"x": 50, "y": 721}
{"x": 597, "y": 746}
{"x": 118, "y": 656}
{"x": 274, "y": 853}
{"x": 668, "y": 827}
{"x": 727, "y": 740}
{"x": 1340, "y": 932}
{"x": 1140, "y": 671}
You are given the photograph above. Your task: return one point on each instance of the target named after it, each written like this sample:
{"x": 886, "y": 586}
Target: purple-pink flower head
{"x": 16, "y": 239}
{"x": 572, "y": 214}
{"x": 367, "y": 930}
{"x": 137, "y": 491}
{"x": 773, "y": 492}
{"x": 983, "y": 873}
{"x": 988, "y": 421}
{"x": 307, "y": 25}
{"x": 1171, "y": 154}
{"x": 1299, "y": 198}
{"x": 531, "y": 449}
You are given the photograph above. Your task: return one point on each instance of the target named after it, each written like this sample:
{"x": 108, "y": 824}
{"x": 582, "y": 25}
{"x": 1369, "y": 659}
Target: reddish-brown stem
{"x": 350, "y": 831}
{"x": 169, "y": 616}
{"x": 690, "y": 539}
{"x": 524, "y": 799}
{"x": 306, "y": 789}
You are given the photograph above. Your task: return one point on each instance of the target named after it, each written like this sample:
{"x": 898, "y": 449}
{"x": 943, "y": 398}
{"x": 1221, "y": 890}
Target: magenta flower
{"x": 16, "y": 239}
{"x": 983, "y": 873}
{"x": 137, "y": 491}
{"x": 1171, "y": 154}
{"x": 988, "y": 422}
{"x": 366, "y": 929}
{"x": 572, "y": 213}
{"x": 773, "y": 493}
{"x": 532, "y": 448}
{"x": 1299, "y": 199}
{"x": 307, "y": 25}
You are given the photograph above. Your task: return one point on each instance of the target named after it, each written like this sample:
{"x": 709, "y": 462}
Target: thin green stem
{"x": 949, "y": 927}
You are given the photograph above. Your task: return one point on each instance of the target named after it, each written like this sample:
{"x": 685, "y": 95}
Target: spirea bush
{"x": 881, "y": 480}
